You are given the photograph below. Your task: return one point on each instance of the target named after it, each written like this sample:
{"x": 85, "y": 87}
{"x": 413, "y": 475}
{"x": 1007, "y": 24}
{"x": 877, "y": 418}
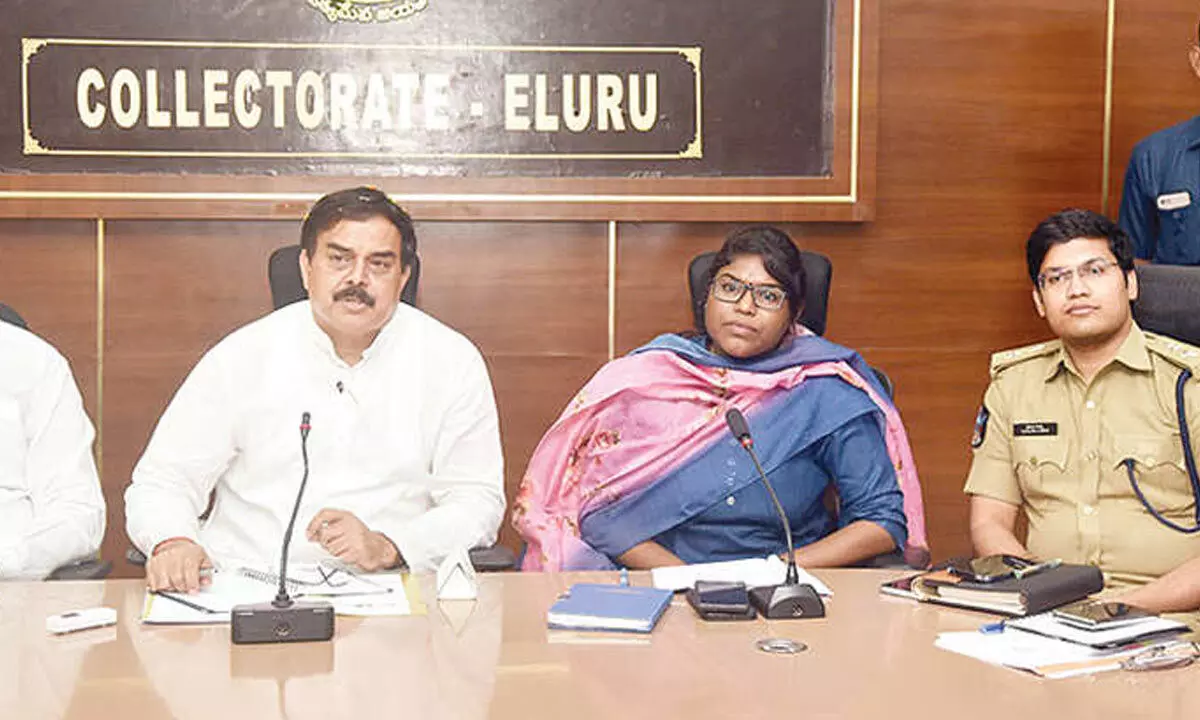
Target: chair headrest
{"x": 287, "y": 287}
{"x": 1169, "y": 301}
{"x": 818, "y": 271}
{"x": 12, "y": 317}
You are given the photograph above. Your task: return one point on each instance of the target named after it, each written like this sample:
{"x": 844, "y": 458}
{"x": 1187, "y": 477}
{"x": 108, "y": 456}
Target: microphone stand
{"x": 283, "y": 619}
{"x": 791, "y": 599}
{"x": 282, "y": 599}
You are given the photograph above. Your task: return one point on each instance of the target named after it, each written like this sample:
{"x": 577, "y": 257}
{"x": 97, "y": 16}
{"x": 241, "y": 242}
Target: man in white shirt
{"x": 51, "y": 507}
{"x": 403, "y": 457}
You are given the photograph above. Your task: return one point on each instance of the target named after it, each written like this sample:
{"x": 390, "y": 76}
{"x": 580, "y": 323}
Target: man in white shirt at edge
{"x": 404, "y": 453}
{"x": 51, "y": 507}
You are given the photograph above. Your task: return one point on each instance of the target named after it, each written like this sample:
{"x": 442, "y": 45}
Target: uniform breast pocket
{"x": 1041, "y": 465}
{"x": 1158, "y": 468}
{"x": 1173, "y": 220}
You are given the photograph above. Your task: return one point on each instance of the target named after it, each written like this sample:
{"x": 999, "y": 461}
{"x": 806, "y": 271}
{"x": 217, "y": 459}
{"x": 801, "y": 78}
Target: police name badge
{"x": 1175, "y": 200}
{"x": 1035, "y": 429}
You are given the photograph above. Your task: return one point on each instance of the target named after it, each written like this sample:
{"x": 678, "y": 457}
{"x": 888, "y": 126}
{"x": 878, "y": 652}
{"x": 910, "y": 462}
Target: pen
{"x": 186, "y": 603}
{"x": 1026, "y": 571}
{"x": 992, "y": 628}
{"x": 624, "y": 581}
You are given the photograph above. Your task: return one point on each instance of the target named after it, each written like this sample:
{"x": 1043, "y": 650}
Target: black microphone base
{"x": 265, "y": 623}
{"x": 781, "y": 602}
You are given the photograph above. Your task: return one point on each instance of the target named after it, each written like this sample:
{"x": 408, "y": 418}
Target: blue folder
{"x": 592, "y": 606}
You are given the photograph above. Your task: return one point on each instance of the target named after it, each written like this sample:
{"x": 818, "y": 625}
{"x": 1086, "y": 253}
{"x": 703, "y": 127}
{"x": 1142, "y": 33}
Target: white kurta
{"x": 51, "y": 507}
{"x": 407, "y": 439}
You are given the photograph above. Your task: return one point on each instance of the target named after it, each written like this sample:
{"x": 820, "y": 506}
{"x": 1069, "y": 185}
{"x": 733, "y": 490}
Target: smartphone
{"x": 901, "y": 587}
{"x": 987, "y": 569}
{"x": 1099, "y": 615}
{"x": 716, "y": 600}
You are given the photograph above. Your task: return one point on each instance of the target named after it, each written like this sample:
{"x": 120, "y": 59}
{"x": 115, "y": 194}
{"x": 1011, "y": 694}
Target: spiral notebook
{"x": 239, "y": 586}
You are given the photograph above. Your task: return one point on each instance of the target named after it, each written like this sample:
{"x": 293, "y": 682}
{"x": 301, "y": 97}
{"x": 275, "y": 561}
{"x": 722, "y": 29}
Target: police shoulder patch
{"x": 981, "y": 423}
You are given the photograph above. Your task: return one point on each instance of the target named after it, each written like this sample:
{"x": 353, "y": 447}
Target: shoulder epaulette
{"x": 1007, "y": 358}
{"x": 1175, "y": 351}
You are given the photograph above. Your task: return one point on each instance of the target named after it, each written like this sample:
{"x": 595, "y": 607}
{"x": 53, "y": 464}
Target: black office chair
{"x": 287, "y": 287}
{"x": 818, "y": 272}
{"x": 91, "y": 568}
{"x": 1169, "y": 301}
{"x": 12, "y": 317}
{"x": 283, "y": 274}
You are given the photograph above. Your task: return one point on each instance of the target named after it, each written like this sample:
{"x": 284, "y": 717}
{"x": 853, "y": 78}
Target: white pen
{"x": 1048, "y": 565}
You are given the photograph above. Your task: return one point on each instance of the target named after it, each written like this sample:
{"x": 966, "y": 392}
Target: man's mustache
{"x": 354, "y": 292}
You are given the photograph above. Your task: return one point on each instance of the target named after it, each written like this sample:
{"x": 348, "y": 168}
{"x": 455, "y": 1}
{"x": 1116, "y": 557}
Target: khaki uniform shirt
{"x": 1049, "y": 442}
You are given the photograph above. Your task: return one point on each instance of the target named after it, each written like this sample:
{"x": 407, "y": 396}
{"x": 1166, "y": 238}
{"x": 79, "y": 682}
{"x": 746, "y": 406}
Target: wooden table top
{"x": 871, "y": 657}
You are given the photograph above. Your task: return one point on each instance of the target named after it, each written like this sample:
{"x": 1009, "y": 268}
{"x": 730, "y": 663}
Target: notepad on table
{"x": 591, "y": 606}
{"x": 350, "y": 593}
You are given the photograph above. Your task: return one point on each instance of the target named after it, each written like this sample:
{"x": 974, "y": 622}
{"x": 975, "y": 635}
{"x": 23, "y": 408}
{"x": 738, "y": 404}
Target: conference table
{"x": 872, "y": 657}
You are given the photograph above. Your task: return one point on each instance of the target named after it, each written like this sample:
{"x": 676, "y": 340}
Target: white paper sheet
{"x": 1046, "y": 624}
{"x": 1044, "y": 656}
{"x": 381, "y": 594}
{"x": 755, "y": 572}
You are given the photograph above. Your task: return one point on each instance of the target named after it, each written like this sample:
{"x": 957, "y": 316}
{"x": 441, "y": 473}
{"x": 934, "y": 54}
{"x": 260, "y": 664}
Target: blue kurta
{"x": 715, "y": 507}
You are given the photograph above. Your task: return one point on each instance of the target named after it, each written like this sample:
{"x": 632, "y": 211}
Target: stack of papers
{"x": 1044, "y": 656}
{"x": 1150, "y": 627}
{"x": 1043, "y": 645}
{"x": 754, "y": 572}
{"x": 350, "y": 594}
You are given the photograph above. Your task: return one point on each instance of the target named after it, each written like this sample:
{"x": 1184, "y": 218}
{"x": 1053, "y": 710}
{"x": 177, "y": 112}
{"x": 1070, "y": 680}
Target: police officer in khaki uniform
{"x": 1062, "y": 420}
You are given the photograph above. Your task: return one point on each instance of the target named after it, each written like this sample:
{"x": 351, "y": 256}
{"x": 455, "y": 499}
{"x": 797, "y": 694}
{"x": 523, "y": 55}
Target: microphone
{"x": 282, "y": 599}
{"x": 284, "y": 619}
{"x": 791, "y": 599}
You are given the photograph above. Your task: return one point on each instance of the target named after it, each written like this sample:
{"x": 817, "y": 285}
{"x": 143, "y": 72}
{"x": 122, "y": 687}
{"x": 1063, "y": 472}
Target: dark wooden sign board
{"x": 472, "y": 109}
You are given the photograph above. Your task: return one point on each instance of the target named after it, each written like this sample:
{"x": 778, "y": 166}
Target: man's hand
{"x": 346, "y": 537}
{"x": 177, "y": 564}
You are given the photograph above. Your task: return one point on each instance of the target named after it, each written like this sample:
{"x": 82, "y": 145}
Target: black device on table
{"x": 716, "y": 600}
{"x": 791, "y": 599}
{"x": 285, "y": 619}
{"x": 1099, "y": 615}
{"x": 989, "y": 568}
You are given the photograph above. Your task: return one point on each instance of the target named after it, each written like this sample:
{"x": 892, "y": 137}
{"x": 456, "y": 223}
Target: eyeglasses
{"x": 1163, "y": 657}
{"x": 1059, "y": 279}
{"x": 727, "y": 288}
{"x": 333, "y": 577}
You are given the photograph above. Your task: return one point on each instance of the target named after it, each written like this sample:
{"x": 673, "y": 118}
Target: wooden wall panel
{"x": 988, "y": 121}
{"x": 48, "y": 275}
{"x": 1153, "y": 84}
{"x": 990, "y": 117}
{"x": 173, "y": 290}
{"x": 533, "y": 297}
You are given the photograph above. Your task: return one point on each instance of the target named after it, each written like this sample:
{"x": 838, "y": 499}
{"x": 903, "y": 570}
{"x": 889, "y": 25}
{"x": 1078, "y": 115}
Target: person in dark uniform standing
{"x": 1162, "y": 188}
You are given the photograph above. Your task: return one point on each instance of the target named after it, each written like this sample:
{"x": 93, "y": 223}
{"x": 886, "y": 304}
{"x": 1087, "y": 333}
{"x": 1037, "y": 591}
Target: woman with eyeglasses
{"x": 642, "y": 471}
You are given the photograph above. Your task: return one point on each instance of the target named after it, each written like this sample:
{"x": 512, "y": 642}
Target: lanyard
{"x": 1185, "y": 440}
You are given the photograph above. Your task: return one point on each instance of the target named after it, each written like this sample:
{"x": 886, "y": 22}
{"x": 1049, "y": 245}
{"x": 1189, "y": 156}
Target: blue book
{"x": 592, "y": 606}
